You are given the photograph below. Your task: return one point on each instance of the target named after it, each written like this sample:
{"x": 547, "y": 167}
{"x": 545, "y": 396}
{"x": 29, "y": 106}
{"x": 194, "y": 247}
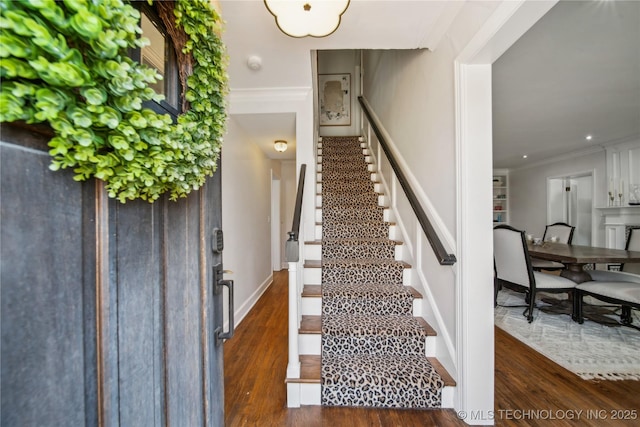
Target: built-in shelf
{"x": 500, "y": 197}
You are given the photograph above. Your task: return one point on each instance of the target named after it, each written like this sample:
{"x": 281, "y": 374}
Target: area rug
{"x": 593, "y": 350}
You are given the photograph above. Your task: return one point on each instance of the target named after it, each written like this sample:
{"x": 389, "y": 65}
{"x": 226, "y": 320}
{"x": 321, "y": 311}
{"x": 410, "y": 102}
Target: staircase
{"x": 362, "y": 340}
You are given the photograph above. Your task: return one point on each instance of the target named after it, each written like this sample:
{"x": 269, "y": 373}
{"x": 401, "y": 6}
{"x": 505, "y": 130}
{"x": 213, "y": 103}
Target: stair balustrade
{"x": 292, "y": 253}
{"x": 444, "y": 258}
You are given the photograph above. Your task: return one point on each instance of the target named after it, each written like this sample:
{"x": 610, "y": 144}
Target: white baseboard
{"x": 240, "y": 313}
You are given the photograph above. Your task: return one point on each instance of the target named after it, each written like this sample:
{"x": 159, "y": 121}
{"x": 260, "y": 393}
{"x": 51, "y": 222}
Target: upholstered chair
{"x": 513, "y": 269}
{"x": 564, "y": 234}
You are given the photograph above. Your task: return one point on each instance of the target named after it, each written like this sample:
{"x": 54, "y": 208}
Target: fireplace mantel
{"x": 617, "y": 220}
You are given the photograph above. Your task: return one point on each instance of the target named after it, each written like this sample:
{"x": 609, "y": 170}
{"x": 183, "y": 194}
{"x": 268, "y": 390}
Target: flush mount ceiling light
{"x": 300, "y": 18}
{"x": 280, "y": 146}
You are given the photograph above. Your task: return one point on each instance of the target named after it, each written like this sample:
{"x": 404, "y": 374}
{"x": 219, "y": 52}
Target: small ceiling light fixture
{"x": 280, "y": 146}
{"x": 588, "y": 137}
{"x": 524, "y": 156}
{"x": 302, "y": 18}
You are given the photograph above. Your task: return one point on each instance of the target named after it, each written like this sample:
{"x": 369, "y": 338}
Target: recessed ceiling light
{"x": 524, "y": 156}
{"x": 588, "y": 137}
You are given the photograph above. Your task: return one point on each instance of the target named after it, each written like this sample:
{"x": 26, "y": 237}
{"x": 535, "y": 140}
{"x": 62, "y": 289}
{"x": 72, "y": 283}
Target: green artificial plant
{"x": 66, "y": 63}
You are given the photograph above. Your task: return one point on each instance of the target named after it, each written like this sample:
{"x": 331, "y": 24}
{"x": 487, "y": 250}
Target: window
{"x": 160, "y": 54}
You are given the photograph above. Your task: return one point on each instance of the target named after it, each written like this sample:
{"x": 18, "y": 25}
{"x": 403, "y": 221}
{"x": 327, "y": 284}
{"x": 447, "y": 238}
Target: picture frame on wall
{"x": 334, "y": 92}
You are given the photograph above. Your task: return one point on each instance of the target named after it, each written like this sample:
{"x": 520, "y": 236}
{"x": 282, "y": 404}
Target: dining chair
{"x": 563, "y": 232}
{"x": 615, "y": 287}
{"x": 513, "y": 269}
{"x": 630, "y": 271}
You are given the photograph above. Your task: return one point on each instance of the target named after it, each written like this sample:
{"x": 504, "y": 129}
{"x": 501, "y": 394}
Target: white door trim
{"x": 474, "y": 164}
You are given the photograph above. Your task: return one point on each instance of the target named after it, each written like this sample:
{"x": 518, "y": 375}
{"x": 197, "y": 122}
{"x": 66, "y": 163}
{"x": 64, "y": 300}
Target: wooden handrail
{"x": 444, "y": 258}
{"x": 295, "y": 227}
{"x": 291, "y": 246}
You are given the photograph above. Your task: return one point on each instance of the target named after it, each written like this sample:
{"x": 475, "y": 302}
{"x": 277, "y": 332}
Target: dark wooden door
{"x": 108, "y": 309}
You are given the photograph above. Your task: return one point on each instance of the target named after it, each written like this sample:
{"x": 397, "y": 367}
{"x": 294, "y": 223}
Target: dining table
{"x": 576, "y": 257}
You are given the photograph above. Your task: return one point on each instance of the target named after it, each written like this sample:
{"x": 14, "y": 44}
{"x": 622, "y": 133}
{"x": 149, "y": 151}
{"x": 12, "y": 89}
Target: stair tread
{"x": 446, "y": 377}
{"x": 309, "y": 370}
{"x": 378, "y": 193}
{"x": 364, "y": 261}
{"x": 316, "y": 291}
{"x": 310, "y": 324}
{"x": 379, "y": 325}
{"x": 314, "y": 263}
{"x": 354, "y": 239}
{"x": 374, "y": 181}
{"x": 312, "y": 291}
{"x": 389, "y": 223}
{"x": 313, "y": 325}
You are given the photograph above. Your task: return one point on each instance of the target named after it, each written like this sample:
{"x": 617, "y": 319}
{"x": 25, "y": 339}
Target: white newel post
{"x": 293, "y": 368}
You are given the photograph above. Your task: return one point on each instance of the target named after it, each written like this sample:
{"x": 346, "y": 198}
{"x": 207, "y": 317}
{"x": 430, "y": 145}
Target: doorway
{"x": 276, "y": 259}
{"x": 570, "y": 200}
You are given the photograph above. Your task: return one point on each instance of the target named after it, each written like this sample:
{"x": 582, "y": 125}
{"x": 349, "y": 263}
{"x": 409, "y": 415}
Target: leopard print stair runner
{"x": 373, "y": 349}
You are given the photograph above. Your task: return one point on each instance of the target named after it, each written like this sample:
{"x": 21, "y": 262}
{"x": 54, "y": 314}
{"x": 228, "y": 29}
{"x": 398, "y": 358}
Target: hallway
{"x": 255, "y": 393}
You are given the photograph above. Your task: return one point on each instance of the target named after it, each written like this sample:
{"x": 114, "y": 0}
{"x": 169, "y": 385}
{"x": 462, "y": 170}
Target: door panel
{"x": 44, "y": 305}
{"x": 108, "y": 309}
{"x": 183, "y": 314}
{"x": 136, "y": 267}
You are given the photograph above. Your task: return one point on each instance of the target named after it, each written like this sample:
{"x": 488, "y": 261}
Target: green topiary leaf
{"x": 67, "y": 63}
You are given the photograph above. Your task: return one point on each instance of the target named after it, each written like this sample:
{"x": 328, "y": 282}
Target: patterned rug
{"x": 601, "y": 350}
{"x": 373, "y": 349}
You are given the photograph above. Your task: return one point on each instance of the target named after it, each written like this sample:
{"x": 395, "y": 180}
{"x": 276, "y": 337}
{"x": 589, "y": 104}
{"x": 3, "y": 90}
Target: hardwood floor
{"x": 530, "y": 389}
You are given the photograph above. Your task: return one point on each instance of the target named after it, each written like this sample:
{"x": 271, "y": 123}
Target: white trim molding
{"x": 474, "y": 164}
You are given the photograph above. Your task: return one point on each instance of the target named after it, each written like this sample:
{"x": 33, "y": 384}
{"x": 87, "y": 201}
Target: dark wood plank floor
{"x": 531, "y": 390}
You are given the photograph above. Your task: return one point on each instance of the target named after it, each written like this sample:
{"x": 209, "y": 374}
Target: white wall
{"x": 342, "y": 62}
{"x": 412, "y": 92}
{"x": 528, "y": 191}
{"x": 246, "y": 208}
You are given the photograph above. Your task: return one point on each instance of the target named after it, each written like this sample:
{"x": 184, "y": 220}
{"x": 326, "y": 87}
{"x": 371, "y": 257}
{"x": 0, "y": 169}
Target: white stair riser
{"x": 313, "y": 276}
{"x": 312, "y": 252}
{"x": 447, "y": 397}
{"x": 417, "y": 307}
{"x": 399, "y": 252}
{"x": 303, "y": 394}
{"x": 309, "y": 344}
{"x": 311, "y": 306}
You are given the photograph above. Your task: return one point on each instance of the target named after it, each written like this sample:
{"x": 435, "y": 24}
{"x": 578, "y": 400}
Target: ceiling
{"x": 575, "y": 73}
{"x": 250, "y": 30}
{"x": 264, "y": 129}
